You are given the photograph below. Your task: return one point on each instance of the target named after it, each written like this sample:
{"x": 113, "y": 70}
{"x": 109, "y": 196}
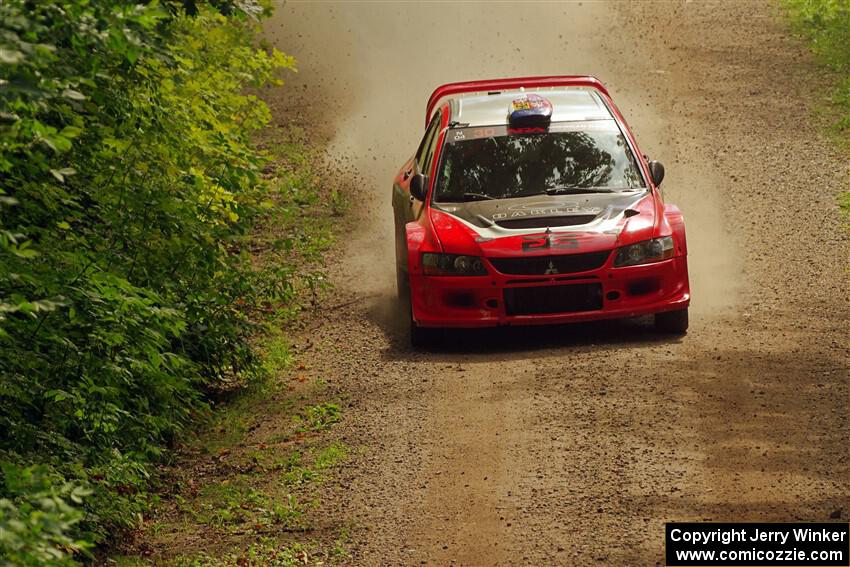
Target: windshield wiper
{"x": 575, "y": 190}
{"x": 477, "y": 197}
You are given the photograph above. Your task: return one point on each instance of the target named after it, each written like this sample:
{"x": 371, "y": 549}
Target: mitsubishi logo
{"x": 551, "y": 270}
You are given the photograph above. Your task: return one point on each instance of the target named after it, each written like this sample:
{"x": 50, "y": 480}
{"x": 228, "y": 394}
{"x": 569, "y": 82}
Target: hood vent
{"x": 544, "y": 222}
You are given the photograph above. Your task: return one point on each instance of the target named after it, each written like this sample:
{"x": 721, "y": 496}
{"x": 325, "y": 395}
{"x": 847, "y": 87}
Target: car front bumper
{"x": 500, "y": 300}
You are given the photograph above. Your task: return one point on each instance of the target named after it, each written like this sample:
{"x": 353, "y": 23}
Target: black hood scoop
{"x": 544, "y": 211}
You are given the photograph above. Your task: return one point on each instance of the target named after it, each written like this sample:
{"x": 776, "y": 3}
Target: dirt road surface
{"x": 573, "y": 445}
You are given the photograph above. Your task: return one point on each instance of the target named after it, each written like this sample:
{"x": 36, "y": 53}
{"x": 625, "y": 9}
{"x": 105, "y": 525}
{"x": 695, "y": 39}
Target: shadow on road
{"x": 387, "y": 314}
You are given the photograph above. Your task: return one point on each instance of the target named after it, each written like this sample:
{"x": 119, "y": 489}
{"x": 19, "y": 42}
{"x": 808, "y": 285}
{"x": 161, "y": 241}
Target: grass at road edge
{"x": 825, "y": 24}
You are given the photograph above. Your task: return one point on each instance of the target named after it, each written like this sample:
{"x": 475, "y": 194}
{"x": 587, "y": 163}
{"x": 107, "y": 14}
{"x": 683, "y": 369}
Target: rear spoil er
{"x": 452, "y": 89}
{"x": 496, "y": 300}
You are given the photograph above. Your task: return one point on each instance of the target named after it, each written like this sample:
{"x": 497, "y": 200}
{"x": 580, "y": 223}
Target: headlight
{"x": 452, "y": 265}
{"x": 645, "y": 252}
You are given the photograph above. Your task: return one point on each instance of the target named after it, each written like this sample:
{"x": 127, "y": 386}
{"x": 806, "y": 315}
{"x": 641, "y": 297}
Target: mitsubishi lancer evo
{"x": 528, "y": 202}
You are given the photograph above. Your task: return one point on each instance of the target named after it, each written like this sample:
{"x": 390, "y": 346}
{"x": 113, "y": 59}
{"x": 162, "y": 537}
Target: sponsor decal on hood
{"x": 544, "y": 211}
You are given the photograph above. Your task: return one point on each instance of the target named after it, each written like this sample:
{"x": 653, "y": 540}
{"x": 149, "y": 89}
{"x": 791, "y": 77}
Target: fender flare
{"x": 676, "y": 220}
{"x": 415, "y": 235}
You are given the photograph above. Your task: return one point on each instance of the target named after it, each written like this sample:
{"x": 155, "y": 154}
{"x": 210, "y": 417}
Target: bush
{"x": 128, "y": 185}
{"x": 36, "y": 519}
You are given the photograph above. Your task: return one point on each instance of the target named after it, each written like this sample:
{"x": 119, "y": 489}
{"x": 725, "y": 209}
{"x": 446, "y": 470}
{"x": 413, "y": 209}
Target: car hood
{"x": 545, "y": 224}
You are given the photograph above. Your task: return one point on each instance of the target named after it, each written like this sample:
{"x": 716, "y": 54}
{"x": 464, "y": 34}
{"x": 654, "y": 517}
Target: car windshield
{"x": 497, "y": 163}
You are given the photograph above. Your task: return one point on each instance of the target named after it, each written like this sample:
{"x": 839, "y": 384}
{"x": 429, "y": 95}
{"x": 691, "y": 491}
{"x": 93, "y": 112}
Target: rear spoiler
{"x": 451, "y": 89}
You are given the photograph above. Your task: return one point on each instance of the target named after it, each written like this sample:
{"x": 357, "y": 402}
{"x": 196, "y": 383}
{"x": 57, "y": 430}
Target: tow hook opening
{"x": 644, "y": 286}
{"x": 461, "y": 299}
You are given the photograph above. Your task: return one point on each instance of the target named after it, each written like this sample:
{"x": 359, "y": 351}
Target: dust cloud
{"x": 369, "y": 68}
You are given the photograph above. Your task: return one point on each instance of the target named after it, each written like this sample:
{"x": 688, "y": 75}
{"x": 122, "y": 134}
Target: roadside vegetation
{"x": 250, "y": 488}
{"x": 150, "y": 252}
{"x": 247, "y": 483}
{"x": 825, "y": 24}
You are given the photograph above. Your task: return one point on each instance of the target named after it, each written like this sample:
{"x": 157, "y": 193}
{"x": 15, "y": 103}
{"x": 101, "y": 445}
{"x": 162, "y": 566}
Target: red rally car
{"x": 527, "y": 203}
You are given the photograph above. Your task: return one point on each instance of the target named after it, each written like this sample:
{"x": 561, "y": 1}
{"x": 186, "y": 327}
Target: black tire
{"x": 672, "y": 322}
{"x": 421, "y": 337}
{"x": 402, "y": 284}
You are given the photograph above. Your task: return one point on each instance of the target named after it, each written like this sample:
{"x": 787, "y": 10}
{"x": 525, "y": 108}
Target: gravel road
{"x": 573, "y": 445}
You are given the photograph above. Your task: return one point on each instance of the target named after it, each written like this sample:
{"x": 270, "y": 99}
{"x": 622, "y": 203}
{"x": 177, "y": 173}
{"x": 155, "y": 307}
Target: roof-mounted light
{"x": 530, "y": 111}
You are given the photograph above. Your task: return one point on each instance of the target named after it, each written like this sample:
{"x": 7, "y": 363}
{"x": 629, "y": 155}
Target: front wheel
{"x": 672, "y": 322}
{"x": 421, "y": 337}
{"x": 402, "y": 285}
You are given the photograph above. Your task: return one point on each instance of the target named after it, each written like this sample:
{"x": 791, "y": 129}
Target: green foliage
{"x": 826, "y": 25}
{"x": 37, "y": 515}
{"x": 318, "y": 417}
{"x": 266, "y": 553}
{"x": 331, "y": 456}
{"x": 235, "y": 503}
{"x": 128, "y": 189}
{"x": 295, "y": 473}
{"x": 277, "y": 356}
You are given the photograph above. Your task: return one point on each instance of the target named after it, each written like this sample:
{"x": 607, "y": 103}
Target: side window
{"x": 425, "y": 153}
{"x": 432, "y": 149}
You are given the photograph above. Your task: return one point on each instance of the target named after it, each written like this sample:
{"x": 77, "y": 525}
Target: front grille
{"x": 551, "y": 265}
{"x": 544, "y": 222}
{"x": 540, "y": 300}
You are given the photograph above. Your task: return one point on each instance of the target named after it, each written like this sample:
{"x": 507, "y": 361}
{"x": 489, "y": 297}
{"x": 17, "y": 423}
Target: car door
{"x": 405, "y": 207}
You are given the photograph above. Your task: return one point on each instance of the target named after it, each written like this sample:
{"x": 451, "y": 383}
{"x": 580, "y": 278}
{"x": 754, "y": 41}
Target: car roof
{"x": 491, "y": 109}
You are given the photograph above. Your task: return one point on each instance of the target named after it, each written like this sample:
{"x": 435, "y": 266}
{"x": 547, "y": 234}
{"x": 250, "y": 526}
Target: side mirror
{"x": 418, "y": 186}
{"x": 657, "y": 172}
